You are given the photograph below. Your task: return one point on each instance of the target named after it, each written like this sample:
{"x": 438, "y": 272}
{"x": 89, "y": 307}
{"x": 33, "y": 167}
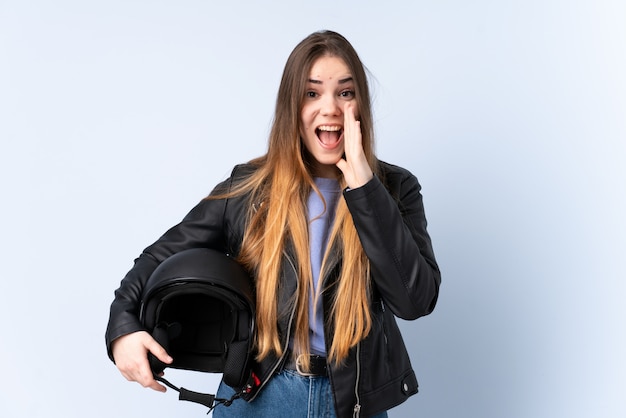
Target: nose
{"x": 330, "y": 106}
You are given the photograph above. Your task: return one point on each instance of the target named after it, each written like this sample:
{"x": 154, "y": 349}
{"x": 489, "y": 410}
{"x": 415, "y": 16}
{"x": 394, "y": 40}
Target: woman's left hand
{"x": 354, "y": 165}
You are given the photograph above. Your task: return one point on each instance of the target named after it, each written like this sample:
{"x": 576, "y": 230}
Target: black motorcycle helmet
{"x": 199, "y": 305}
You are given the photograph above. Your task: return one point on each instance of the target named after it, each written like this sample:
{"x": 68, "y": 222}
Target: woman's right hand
{"x": 130, "y": 353}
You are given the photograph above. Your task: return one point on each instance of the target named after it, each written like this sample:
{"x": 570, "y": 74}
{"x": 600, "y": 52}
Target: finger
{"x": 348, "y": 122}
{"x": 141, "y": 373}
{"x": 130, "y": 353}
{"x": 349, "y": 111}
{"x": 342, "y": 165}
{"x": 352, "y": 131}
{"x": 145, "y": 378}
{"x": 158, "y": 351}
{"x": 156, "y": 386}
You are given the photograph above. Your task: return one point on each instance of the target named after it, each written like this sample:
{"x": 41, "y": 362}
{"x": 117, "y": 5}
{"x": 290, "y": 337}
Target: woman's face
{"x": 330, "y": 88}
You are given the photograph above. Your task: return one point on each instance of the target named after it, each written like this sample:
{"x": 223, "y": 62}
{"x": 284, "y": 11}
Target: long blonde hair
{"x": 282, "y": 184}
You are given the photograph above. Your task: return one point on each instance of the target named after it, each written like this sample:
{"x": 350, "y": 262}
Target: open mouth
{"x": 329, "y": 135}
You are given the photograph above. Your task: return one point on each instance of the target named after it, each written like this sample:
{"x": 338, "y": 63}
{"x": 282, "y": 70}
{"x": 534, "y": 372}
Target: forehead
{"x": 328, "y": 67}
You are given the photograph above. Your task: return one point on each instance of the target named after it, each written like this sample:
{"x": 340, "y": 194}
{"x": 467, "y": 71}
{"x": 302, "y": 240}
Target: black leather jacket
{"x": 389, "y": 217}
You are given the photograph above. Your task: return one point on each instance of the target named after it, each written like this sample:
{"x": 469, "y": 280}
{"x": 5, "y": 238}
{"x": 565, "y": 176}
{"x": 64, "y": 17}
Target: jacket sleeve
{"x": 391, "y": 225}
{"x": 203, "y": 226}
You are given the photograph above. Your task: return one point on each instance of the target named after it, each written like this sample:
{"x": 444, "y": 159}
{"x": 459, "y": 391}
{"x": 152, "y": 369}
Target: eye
{"x": 347, "y": 94}
{"x": 310, "y": 94}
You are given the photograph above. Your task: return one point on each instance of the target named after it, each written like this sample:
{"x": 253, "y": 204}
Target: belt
{"x": 318, "y": 365}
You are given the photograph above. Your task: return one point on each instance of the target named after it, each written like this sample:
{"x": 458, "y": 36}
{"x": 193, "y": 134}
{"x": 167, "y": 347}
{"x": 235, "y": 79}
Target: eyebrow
{"x": 342, "y": 81}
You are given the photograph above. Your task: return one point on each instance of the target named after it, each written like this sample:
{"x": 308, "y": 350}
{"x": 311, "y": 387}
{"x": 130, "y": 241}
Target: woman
{"x": 335, "y": 239}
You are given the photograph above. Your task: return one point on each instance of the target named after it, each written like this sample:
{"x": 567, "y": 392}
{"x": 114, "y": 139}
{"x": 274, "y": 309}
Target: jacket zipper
{"x": 382, "y": 307}
{"x": 357, "y": 407}
{"x": 282, "y": 357}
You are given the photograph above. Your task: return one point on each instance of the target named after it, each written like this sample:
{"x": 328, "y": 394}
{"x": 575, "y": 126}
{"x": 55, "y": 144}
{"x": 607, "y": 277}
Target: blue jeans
{"x": 287, "y": 394}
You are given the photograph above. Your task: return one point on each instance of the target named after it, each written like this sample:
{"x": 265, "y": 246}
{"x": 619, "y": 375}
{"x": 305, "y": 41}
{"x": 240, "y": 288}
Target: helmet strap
{"x": 208, "y": 400}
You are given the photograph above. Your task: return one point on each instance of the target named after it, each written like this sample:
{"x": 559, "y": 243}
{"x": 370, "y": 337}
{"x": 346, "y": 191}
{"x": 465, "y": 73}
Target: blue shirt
{"x": 320, "y": 224}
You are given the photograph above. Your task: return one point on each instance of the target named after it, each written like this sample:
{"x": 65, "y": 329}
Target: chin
{"x": 329, "y": 160}
{"x": 325, "y": 167}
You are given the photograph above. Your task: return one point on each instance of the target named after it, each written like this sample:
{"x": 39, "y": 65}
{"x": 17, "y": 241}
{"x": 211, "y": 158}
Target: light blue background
{"x": 116, "y": 117}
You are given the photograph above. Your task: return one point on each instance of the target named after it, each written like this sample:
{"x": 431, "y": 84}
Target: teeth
{"x": 329, "y": 128}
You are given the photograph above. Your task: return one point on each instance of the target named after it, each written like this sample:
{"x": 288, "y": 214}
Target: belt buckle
{"x": 299, "y": 370}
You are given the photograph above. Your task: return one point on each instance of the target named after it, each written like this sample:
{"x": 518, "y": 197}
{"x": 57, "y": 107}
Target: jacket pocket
{"x": 375, "y": 352}
{"x": 383, "y": 353}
